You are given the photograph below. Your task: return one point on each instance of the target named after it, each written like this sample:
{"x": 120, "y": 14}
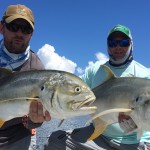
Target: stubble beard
{"x": 13, "y": 47}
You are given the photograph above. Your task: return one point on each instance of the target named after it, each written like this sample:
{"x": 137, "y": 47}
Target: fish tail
{"x": 1, "y": 122}
{"x": 100, "y": 126}
{"x": 96, "y": 133}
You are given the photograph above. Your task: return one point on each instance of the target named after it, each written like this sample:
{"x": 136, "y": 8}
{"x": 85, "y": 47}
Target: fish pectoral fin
{"x": 94, "y": 116}
{"x": 99, "y": 125}
{"x": 1, "y": 122}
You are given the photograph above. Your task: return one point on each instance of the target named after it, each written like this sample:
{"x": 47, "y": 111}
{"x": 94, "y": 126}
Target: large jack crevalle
{"x": 130, "y": 95}
{"x": 63, "y": 94}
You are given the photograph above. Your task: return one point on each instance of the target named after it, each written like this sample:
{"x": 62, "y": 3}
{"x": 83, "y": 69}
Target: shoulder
{"x": 34, "y": 56}
{"x": 94, "y": 75}
{"x": 90, "y": 72}
{"x": 97, "y": 67}
{"x": 35, "y": 61}
{"x": 93, "y": 69}
{"x": 139, "y": 65}
{"x": 140, "y": 70}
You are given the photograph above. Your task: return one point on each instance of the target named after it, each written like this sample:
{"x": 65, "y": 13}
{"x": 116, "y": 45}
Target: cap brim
{"x": 11, "y": 18}
{"x": 113, "y": 32}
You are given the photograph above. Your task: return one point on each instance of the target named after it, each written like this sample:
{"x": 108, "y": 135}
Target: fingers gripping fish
{"x": 63, "y": 94}
{"x": 121, "y": 94}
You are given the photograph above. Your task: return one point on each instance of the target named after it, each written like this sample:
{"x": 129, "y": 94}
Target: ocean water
{"x": 47, "y": 128}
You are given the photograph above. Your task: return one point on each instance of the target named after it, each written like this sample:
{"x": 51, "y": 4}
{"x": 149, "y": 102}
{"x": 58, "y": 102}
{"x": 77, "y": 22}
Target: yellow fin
{"x": 1, "y": 122}
{"x": 99, "y": 126}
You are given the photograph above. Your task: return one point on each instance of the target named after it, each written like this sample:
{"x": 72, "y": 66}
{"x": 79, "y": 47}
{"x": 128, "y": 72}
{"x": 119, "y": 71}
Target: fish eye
{"x": 78, "y": 89}
{"x": 42, "y": 88}
{"x": 137, "y": 99}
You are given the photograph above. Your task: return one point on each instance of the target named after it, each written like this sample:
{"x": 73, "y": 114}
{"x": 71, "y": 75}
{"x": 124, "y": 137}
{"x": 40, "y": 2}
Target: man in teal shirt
{"x": 120, "y": 47}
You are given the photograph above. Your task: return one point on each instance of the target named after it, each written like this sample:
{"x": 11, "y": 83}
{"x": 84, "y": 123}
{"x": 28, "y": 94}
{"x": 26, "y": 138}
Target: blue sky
{"x": 71, "y": 34}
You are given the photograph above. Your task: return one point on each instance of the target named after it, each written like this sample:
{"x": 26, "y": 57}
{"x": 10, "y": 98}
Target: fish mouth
{"x": 84, "y": 105}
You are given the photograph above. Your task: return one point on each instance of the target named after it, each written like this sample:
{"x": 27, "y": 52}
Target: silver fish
{"x": 130, "y": 95}
{"x": 63, "y": 94}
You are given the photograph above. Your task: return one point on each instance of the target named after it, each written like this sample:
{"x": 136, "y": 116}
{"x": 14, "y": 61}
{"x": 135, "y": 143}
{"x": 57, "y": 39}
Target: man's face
{"x": 121, "y": 45}
{"x": 16, "y": 39}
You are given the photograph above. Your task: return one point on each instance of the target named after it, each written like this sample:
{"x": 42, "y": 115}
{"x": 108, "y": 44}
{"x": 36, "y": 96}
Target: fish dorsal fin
{"x": 109, "y": 73}
{"x": 5, "y": 72}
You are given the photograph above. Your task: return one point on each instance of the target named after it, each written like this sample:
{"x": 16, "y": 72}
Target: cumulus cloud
{"x": 80, "y": 70}
{"x": 52, "y": 60}
{"x": 102, "y": 58}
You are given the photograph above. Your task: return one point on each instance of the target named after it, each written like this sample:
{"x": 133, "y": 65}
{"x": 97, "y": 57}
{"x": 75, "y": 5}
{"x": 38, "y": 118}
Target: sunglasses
{"x": 14, "y": 27}
{"x": 122, "y": 43}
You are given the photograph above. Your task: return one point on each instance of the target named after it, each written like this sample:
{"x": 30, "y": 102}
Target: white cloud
{"x": 102, "y": 58}
{"x": 80, "y": 70}
{"x": 52, "y": 60}
{"x": 90, "y": 64}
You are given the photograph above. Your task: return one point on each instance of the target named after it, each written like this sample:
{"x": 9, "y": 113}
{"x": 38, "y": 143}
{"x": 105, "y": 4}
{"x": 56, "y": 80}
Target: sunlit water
{"x": 48, "y": 127}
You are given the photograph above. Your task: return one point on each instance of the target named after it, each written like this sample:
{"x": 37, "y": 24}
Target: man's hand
{"x": 36, "y": 113}
{"x": 126, "y": 123}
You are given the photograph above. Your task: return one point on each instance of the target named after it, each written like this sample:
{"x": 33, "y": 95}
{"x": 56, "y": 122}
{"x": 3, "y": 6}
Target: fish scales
{"x": 130, "y": 95}
{"x": 63, "y": 94}
{"x": 118, "y": 90}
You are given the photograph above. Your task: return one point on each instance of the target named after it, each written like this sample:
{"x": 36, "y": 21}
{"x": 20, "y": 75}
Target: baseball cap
{"x": 18, "y": 11}
{"x": 121, "y": 28}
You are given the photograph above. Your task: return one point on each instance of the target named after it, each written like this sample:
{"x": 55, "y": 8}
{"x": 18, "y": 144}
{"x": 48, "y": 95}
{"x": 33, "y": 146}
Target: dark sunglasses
{"x": 122, "y": 43}
{"x": 14, "y": 27}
